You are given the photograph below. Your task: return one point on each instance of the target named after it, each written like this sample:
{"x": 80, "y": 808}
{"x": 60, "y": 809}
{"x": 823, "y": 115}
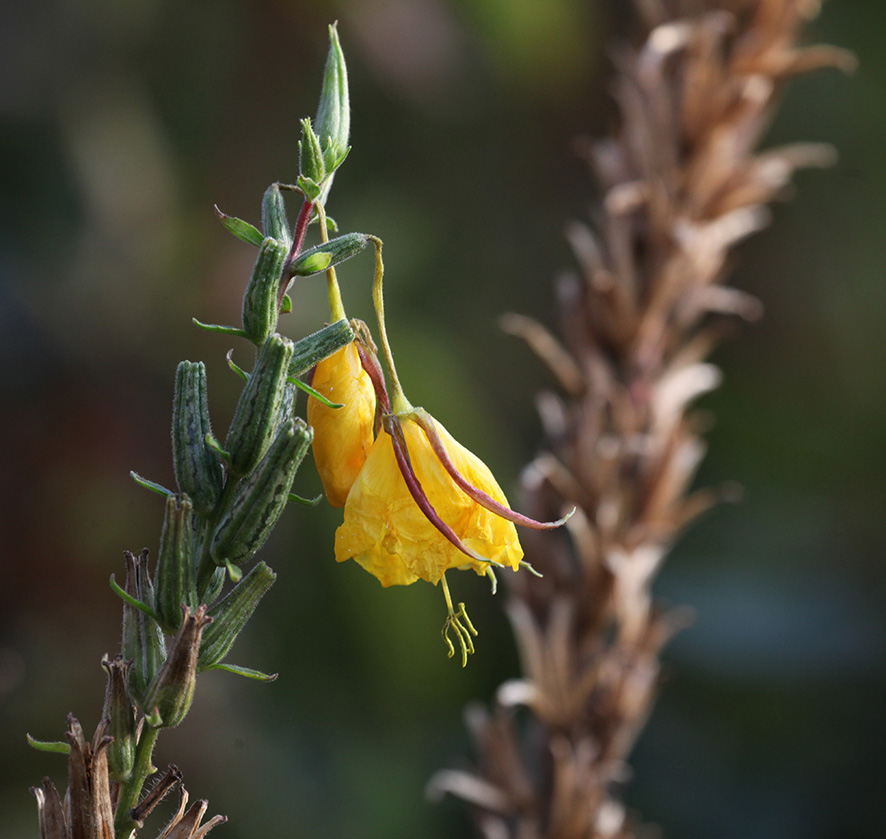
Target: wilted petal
{"x": 342, "y": 436}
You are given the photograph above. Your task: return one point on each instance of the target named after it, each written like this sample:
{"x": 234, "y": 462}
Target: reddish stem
{"x": 298, "y": 239}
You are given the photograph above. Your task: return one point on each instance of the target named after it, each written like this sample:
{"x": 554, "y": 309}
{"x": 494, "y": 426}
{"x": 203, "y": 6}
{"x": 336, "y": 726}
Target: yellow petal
{"x": 385, "y": 531}
{"x": 342, "y": 436}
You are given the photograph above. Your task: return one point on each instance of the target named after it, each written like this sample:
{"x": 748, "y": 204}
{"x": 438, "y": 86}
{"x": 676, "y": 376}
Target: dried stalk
{"x": 681, "y": 185}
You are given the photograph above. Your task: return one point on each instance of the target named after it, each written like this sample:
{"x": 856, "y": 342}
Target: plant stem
{"x": 130, "y": 791}
{"x": 336, "y": 307}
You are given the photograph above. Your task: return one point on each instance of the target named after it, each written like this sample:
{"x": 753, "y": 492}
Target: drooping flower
{"x": 421, "y": 504}
{"x": 391, "y": 536}
{"x": 343, "y": 436}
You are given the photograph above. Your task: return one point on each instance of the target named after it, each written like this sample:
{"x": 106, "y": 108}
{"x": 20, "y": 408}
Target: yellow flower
{"x": 387, "y": 532}
{"x": 342, "y": 436}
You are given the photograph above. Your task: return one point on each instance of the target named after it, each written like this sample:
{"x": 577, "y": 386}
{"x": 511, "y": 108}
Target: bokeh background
{"x": 121, "y": 124}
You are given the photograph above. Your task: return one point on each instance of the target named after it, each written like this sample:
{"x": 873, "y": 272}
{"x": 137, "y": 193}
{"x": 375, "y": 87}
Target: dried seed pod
{"x": 172, "y": 690}
{"x": 120, "y": 712}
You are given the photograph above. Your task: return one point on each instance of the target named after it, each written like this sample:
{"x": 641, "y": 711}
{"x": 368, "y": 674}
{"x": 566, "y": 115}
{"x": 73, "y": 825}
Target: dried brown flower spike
{"x": 681, "y": 185}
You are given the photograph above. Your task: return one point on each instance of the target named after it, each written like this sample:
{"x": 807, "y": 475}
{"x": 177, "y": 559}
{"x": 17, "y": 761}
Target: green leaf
{"x": 53, "y": 746}
{"x": 248, "y": 672}
{"x": 306, "y": 502}
{"x": 236, "y": 368}
{"x": 225, "y": 330}
{"x": 309, "y": 187}
{"x": 315, "y": 393}
{"x": 154, "y": 487}
{"x": 132, "y": 601}
{"x": 243, "y": 230}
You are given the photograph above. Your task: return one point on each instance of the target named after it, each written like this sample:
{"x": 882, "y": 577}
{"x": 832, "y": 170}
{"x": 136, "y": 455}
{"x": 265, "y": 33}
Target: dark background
{"x": 122, "y": 123}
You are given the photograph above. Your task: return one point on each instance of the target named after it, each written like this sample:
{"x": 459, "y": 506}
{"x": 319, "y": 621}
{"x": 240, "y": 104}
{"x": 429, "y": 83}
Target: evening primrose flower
{"x": 422, "y": 504}
{"x": 343, "y": 435}
{"x": 391, "y": 536}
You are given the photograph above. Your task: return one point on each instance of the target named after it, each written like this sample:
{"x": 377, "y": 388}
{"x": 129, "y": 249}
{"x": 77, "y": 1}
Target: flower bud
{"x": 260, "y": 300}
{"x": 231, "y": 614}
{"x": 198, "y": 471}
{"x": 174, "y": 578}
{"x": 273, "y": 216}
{"x": 329, "y": 254}
{"x": 120, "y": 713}
{"x": 143, "y": 642}
{"x": 261, "y": 497}
{"x": 310, "y": 155}
{"x": 319, "y": 345}
{"x": 343, "y": 436}
{"x": 172, "y": 690}
{"x": 333, "y": 123}
{"x": 258, "y": 410}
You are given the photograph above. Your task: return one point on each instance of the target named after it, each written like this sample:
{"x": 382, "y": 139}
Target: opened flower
{"x": 391, "y": 536}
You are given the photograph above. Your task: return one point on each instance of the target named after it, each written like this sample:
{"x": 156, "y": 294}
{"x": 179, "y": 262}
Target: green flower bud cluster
{"x": 324, "y": 145}
{"x": 178, "y": 618}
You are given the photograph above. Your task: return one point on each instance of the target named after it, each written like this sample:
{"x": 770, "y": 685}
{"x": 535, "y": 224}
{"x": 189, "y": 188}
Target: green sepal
{"x": 260, "y": 299}
{"x": 273, "y": 216}
{"x": 174, "y": 577}
{"x": 235, "y": 572}
{"x": 286, "y": 305}
{"x": 224, "y": 330}
{"x": 334, "y": 156}
{"x": 248, "y": 672}
{"x": 151, "y": 485}
{"x": 313, "y": 348}
{"x": 310, "y": 155}
{"x": 198, "y": 471}
{"x": 231, "y": 614}
{"x": 314, "y": 260}
{"x": 53, "y": 746}
{"x": 261, "y": 497}
{"x": 255, "y": 420}
{"x": 309, "y": 187}
{"x": 243, "y": 230}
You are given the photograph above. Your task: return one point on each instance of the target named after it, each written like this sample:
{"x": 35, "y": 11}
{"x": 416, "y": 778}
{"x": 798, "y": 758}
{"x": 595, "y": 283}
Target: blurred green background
{"x": 121, "y": 124}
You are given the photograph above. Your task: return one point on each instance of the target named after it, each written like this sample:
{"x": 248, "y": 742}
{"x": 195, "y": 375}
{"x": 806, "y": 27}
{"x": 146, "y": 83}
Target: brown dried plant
{"x": 681, "y": 184}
